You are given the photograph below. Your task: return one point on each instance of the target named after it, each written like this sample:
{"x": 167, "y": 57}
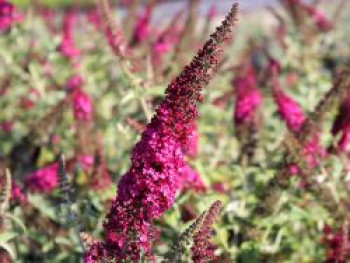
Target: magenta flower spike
{"x": 289, "y": 110}
{"x": 148, "y": 188}
{"x": 67, "y": 46}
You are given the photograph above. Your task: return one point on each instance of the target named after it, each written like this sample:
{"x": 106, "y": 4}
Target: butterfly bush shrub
{"x": 245, "y": 159}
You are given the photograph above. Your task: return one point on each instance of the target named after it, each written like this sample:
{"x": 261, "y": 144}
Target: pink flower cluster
{"x": 148, "y": 188}
{"x": 293, "y": 115}
{"x": 8, "y": 15}
{"x": 248, "y": 97}
{"x": 43, "y": 180}
{"x": 289, "y": 110}
{"x": 74, "y": 82}
{"x": 6, "y": 126}
{"x": 164, "y": 42}
{"x": 321, "y": 21}
{"x": 67, "y": 46}
{"x": 337, "y": 245}
{"x": 142, "y": 27}
{"x": 82, "y": 108}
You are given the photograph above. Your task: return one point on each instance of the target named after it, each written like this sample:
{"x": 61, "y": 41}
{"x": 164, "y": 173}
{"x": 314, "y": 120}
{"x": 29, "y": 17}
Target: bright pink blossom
{"x": 82, "y": 109}
{"x": 289, "y": 110}
{"x": 43, "y": 180}
{"x": 8, "y": 15}
{"x": 67, "y": 46}
{"x": 145, "y": 192}
{"x": 86, "y": 161}
{"x": 248, "y": 97}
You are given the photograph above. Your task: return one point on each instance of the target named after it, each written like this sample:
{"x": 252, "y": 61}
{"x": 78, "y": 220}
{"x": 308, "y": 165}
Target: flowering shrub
{"x": 245, "y": 159}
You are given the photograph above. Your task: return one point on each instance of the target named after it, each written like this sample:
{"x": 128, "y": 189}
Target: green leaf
{"x": 7, "y": 236}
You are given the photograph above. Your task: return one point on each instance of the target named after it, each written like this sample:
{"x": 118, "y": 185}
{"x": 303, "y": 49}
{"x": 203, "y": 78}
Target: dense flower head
{"x": 96, "y": 252}
{"x": 82, "y": 109}
{"x": 145, "y": 192}
{"x": 289, "y": 110}
{"x": 248, "y": 97}
{"x": 337, "y": 245}
{"x": 8, "y": 15}
{"x": 149, "y": 187}
{"x": 43, "y": 180}
{"x": 202, "y": 248}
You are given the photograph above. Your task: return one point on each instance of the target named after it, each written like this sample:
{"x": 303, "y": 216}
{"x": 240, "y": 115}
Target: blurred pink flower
{"x": 142, "y": 27}
{"x": 67, "y": 46}
{"x": 212, "y": 12}
{"x": 219, "y": 187}
{"x": 74, "y": 82}
{"x": 17, "y": 194}
{"x": 86, "y": 161}
{"x": 6, "y": 126}
{"x": 248, "y": 97}
{"x": 82, "y": 109}
{"x": 289, "y": 110}
{"x": 8, "y": 15}
{"x": 43, "y": 180}
{"x": 320, "y": 19}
